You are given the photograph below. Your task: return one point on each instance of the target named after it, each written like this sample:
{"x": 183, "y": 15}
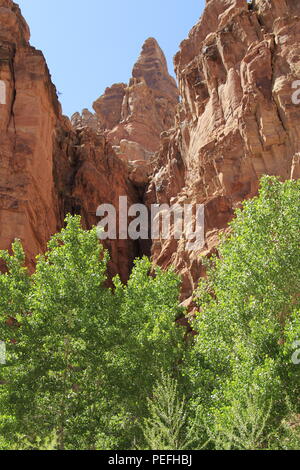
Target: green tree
{"x": 249, "y": 314}
{"x": 83, "y": 357}
{"x": 15, "y": 285}
{"x": 167, "y": 426}
{"x": 148, "y": 306}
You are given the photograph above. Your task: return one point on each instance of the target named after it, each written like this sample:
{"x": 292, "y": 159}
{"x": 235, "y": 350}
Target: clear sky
{"x": 91, "y": 44}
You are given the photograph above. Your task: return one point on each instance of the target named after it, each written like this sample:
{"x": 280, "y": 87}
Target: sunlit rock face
{"x": 133, "y": 116}
{"x": 28, "y": 119}
{"x": 47, "y": 168}
{"x": 236, "y": 121}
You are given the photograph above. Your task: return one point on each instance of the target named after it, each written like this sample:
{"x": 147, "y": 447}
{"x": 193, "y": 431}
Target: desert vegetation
{"x": 93, "y": 366}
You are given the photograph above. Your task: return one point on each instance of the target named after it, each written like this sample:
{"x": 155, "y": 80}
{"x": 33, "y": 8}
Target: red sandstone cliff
{"x": 133, "y": 116}
{"x": 236, "y": 122}
{"x": 97, "y": 176}
{"x": 28, "y": 201}
{"x": 46, "y": 168}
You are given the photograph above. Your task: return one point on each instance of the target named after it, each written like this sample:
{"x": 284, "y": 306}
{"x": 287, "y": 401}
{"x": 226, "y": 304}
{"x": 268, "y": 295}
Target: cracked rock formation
{"x": 94, "y": 175}
{"x": 133, "y": 116}
{"x": 28, "y": 201}
{"x": 236, "y": 121}
{"x": 46, "y": 168}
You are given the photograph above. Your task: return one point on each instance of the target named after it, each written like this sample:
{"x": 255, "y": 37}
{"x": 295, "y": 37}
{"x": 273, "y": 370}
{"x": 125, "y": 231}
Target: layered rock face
{"x": 236, "y": 122}
{"x": 133, "y": 116}
{"x": 94, "y": 175}
{"x": 46, "y": 168}
{"x": 28, "y": 117}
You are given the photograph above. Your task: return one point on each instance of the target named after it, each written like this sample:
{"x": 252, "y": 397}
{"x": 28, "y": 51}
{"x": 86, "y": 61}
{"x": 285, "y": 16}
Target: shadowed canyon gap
{"x": 234, "y": 122}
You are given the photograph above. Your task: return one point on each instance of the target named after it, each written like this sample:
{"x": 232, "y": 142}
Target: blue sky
{"x": 92, "y": 44}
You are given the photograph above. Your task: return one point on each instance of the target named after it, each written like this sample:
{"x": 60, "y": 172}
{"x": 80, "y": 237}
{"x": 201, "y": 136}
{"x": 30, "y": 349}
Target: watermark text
{"x": 159, "y": 222}
{"x": 2, "y": 92}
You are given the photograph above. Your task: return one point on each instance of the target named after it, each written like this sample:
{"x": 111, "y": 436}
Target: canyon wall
{"x": 133, "y": 116}
{"x": 47, "y": 168}
{"x": 236, "y": 120}
{"x": 28, "y": 118}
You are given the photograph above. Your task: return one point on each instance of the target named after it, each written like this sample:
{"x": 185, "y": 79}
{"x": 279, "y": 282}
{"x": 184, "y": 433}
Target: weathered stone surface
{"x": 139, "y": 173}
{"x": 28, "y": 202}
{"x": 133, "y": 116}
{"x": 85, "y": 119}
{"x": 100, "y": 177}
{"x": 47, "y": 168}
{"x": 152, "y": 68}
{"x": 109, "y": 106}
{"x": 148, "y": 106}
{"x": 236, "y": 121}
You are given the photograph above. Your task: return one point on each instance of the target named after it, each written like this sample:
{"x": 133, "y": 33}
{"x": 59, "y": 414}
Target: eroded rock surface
{"x": 133, "y": 116}
{"x": 236, "y": 121}
{"x": 28, "y": 118}
{"x": 47, "y": 168}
